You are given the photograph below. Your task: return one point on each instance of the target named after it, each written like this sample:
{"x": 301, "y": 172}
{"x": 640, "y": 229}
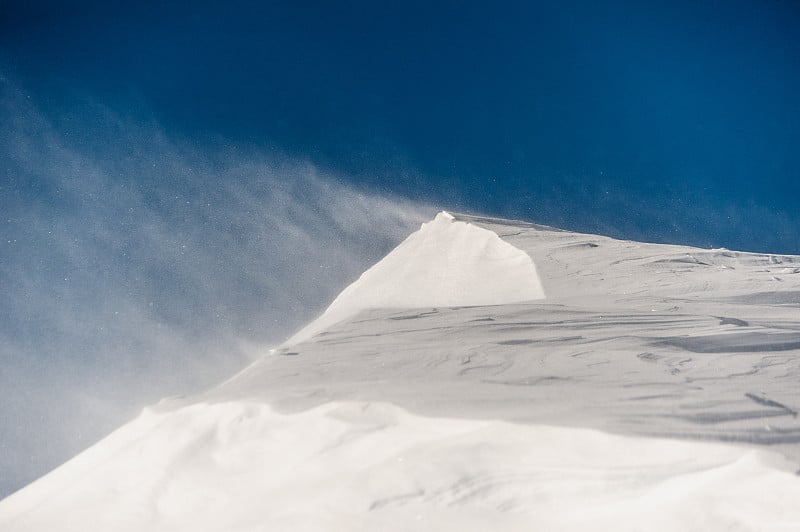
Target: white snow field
{"x": 653, "y": 388}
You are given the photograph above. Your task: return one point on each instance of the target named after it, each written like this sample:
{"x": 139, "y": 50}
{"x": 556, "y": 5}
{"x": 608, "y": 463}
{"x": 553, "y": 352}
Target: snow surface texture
{"x": 655, "y": 388}
{"x": 445, "y": 263}
{"x": 372, "y": 466}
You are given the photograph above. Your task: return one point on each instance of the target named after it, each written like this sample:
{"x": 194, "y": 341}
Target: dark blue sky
{"x": 668, "y": 121}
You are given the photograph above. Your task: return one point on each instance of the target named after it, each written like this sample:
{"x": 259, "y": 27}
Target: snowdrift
{"x": 371, "y": 466}
{"x": 653, "y": 389}
{"x": 446, "y": 263}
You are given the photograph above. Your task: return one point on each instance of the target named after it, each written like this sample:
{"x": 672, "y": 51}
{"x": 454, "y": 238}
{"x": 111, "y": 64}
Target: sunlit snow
{"x": 653, "y": 388}
{"x": 445, "y": 263}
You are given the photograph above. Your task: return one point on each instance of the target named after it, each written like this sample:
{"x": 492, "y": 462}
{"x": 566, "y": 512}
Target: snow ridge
{"x": 447, "y": 263}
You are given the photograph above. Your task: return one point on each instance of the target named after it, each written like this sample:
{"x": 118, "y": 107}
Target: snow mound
{"x": 447, "y": 263}
{"x": 242, "y": 466}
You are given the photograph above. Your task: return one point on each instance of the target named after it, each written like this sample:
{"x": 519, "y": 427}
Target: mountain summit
{"x": 653, "y": 388}
{"x": 446, "y": 263}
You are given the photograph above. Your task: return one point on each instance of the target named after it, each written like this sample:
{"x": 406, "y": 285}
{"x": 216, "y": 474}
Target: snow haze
{"x": 133, "y": 266}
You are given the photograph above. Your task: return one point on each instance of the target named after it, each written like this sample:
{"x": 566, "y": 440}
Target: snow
{"x": 373, "y": 466}
{"x": 654, "y": 388}
{"x": 446, "y": 263}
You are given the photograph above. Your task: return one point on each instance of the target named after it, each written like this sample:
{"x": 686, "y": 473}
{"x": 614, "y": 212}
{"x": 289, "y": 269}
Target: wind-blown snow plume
{"x": 134, "y": 265}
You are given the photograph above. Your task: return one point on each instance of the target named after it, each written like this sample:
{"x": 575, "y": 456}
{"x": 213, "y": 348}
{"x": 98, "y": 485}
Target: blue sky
{"x": 666, "y": 121}
{"x": 184, "y": 184}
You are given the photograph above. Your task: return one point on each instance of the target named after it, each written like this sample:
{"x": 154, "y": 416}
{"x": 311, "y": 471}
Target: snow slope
{"x": 655, "y": 388}
{"x": 371, "y": 466}
{"x": 445, "y": 263}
